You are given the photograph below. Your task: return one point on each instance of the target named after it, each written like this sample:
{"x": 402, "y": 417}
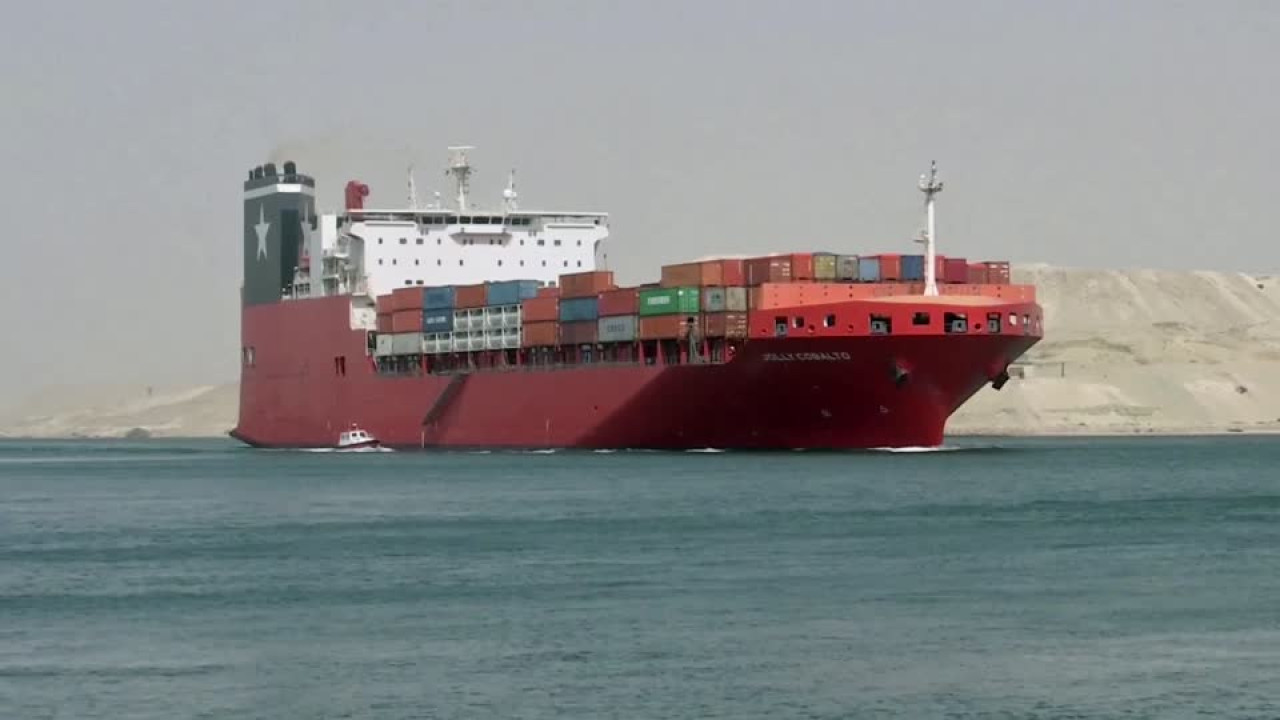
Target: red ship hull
{"x": 311, "y": 377}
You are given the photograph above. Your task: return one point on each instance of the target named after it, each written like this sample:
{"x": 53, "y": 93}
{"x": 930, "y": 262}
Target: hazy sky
{"x": 1096, "y": 133}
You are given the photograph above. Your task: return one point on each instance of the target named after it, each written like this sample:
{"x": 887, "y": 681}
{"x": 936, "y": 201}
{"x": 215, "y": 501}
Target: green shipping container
{"x": 824, "y": 266}
{"x": 668, "y": 301}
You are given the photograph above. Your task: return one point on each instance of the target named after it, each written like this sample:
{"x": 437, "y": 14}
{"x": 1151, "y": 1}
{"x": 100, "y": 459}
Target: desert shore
{"x": 1126, "y": 352}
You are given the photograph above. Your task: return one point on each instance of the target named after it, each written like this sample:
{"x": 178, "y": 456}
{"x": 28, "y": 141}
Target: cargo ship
{"x": 453, "y": 325}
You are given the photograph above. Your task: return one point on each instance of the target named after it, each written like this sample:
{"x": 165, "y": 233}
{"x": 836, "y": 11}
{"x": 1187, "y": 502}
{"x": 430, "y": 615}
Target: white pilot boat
{"x": 357, "y": 439}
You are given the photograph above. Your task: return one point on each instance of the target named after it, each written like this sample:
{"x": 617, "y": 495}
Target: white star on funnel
{"x": 261, "y": 229}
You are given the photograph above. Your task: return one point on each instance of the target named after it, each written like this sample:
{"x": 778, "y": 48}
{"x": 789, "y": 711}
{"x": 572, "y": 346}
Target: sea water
{"x": 1004, "y": 578}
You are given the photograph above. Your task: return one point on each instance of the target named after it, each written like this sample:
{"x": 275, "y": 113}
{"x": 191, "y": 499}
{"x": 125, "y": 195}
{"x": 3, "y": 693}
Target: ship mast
{"x": 413, "y": 190}
{"x": 460, "y": 169}
{"x": 930, "y": 186}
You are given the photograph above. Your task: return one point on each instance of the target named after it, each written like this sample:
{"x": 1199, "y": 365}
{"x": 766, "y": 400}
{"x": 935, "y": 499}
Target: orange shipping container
{"x": 731, "y": 273}
{"x": 385, "y": 304}
{"x": 624, "y": 301}
{"x": 469, "y": 296}
{"x": 406, "y": 321}
{"x": 977, "y": 274}
{"x": 539, "y": 334}
{"x": 695, "y": 274}
{"x": 725, "y": 325}
{"x": 540, "y": 309}
{"x": 663, "y": 327}
{"x": 407, "y": 298}
{"x": 384, "y": 322}
{"x": 552, "y": 292}
{"x": 585, "y": 284}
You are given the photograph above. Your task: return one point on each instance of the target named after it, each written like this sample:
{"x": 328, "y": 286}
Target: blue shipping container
{"x": 438, "y": 298}
{"x": 578, "y": 309}
{"x": 912, "y": 267}
{"x": 437, "y": 321}
{"x": 869, "y": 269}
{"x": 510, "y": 292}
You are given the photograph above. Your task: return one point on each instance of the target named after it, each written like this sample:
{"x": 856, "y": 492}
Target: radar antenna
{"x": 930, "y": 185}
{"x": 460, "y": 169}
{"x": 510, "y": 196}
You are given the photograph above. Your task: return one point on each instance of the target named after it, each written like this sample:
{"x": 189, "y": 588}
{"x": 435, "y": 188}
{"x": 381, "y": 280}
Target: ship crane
{"x": 930, "y": 185}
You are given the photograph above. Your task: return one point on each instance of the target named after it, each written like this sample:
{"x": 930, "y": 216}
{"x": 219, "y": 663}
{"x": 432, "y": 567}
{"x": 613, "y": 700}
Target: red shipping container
{"x": 998, "y": 272}
{"x": 540, "y": 309}
{"x": 384, "y": 323}
{"x": 774, "y": 269}
{"x": 406, "y": 321}
{"x": 725, "y": 324}
{"x": 578, "y": 333}
{"x": 385, "y": 304}
{"x": 955, "y": 270}
{"x": 585, "y": 284}
{"x": 624, "y": 301}
{"x": 407, "y": 298}
{"x": 469, "y": 296}
{"x": 977, "y": 274}
{"x": 551, "y": 292}
{"x": 539, "y": 334}
{"x": 890, "y": 267}
{"x": 732, "y": 273}
{"x": 663, "y": 327}
{"x": 801, "y": 266}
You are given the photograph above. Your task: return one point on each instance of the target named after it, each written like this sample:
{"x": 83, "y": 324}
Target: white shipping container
{"x": 511, "y": 338}
{"x": 493, "y": 318}
{"x": 384, "y": 346}
{"x": 406, "y": 344}
{"x": 512, "y": 316}
{"x": 735, "y": 299}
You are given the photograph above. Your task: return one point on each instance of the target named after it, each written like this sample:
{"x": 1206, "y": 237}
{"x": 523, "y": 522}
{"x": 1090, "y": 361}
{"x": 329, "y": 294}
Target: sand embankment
{"x": 1142, "y": 351}
{"x": 1126, "y": 352}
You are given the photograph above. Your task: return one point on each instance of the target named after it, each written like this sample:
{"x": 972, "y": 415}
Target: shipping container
{"x": 404, "y": 321}
{"x": 824, "y": 267}
{"x": 384, "y": 346}
{"x": 469, "y": 296}
{"x": 998, "y": 272}
{"x": 578, "y": 333}
{"x": 616, "y": 328}
{"x": 510, "y": 292}
{"x": 696, "y": 274}
{"x": 438, "y": 321}
{"x": 890, "y": 267}
{"x": 664, "y": 327}
{"x": 955, "y": 270}
{"x": 912, "y": 267}
{"x": 549, "y": 292}
{"x": 585, "y": 284}
{"x": 725, "y": 325}
{"x": 869, "y": 269}
{"x": 385, "y": 304}
{"x": 579, "y": 309}
{"x": 665, "y": 301}
{"x": 713, "y": 299}
{"x": 539, "y": 334}
{"x": 541, "y": 309}
{"x": 767, "y": 269}
{"x": 406, "y": 298}
{"x": 383, "y": 322}
{"x": 438, "y": 298}
{"x": 732, "y": 273}
{"x": 721, "y": 299}
{"x": 623, "y": 301}
{"x": 406, "y": 343}
{"x": 976, "y": 274}
{"x": 847, "y": 268}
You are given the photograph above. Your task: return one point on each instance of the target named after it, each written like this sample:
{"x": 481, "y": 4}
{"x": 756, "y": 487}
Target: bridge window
{"x": 499, "y": 263}
{"x": 557, "y": 242}
{"x": 419, "y": 241}
{"x": 881, "y": 325}
{"x": 439, "y": 262}
{"x": 464, "y": 220}
{"x": 829, "y": 321}
{"x": 955, "y": 322}
{"x": 993, "y": 322}
{"x": 459, "y": 263}
{"x": 437, "y": 241}
{"x": 404, "y": 241}
{"x": 541, "y": 242}
{"x": 379, "y": 261}
{"x": 920, "y": 318}
{"x": 579, "y": 263}
{"x": 780, "y": 325}
{"x": 379, "y": 241}
{"x": 416, "y": 261}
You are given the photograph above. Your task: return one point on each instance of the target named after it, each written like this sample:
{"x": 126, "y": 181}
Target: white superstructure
{"x": 367, "y": 251}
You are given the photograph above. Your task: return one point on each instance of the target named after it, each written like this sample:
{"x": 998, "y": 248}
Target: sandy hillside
{"x": 1127, "y": 351}
{"x": 1138, "y": 351}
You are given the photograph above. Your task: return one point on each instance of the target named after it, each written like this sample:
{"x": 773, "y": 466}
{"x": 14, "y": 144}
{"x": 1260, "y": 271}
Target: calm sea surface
{"x": 1010, "y": 578}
